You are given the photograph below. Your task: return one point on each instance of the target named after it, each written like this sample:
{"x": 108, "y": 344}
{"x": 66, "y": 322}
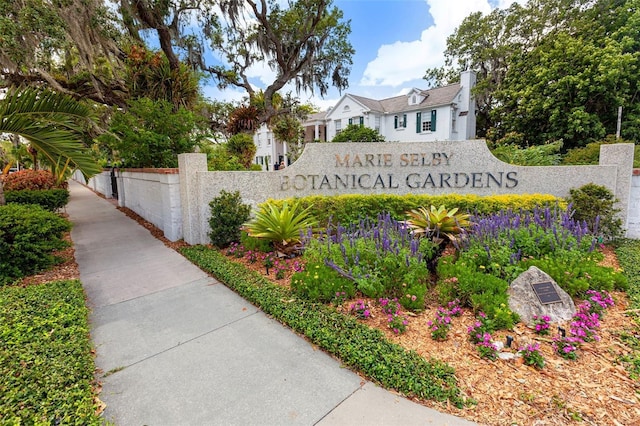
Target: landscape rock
{"x": 524, "y": 301}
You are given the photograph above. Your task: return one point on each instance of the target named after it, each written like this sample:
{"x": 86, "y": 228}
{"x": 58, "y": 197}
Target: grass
{"x": 46, "y": 365}
{"x": 356, "y": 345}
{"x": 628, "y": 252}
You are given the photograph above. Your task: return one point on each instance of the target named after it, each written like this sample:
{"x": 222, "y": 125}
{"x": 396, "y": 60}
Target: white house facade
{"x": 439, "y": 114}
{"x": 269, "y": 151}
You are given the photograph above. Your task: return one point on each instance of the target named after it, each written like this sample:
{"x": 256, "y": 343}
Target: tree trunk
{"x": 2, "y": 199}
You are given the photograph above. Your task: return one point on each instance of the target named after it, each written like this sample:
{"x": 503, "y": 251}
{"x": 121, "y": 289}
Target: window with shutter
{"x": 361, "y": 120}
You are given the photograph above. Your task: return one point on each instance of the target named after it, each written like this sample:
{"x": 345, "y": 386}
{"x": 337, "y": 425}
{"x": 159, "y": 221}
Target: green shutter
{"x": 350, "y": 121}
{"x": 395, "y": 122}
{"x": 433, "y": 120}
{"x": 361, "y": 120}
{"x": 418, "y": 122}
{"x": 404, "y": 120}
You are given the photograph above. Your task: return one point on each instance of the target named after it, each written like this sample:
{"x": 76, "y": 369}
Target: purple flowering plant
{"x": 532, "y": 356}
{"x": 486, "y": 347}
{"x": 585, "y": 323}
{"x": 379, "y": 255}
{"x": 441, "y": 325}
{"x": 454, "y": 308}
{"x": 599, "y": 301}
{"x": 481, "y": 327}
{"x": 360, "y": 309}
{"x": 397, "y": 322}
{"x": 541, "y": 324}
{"x": 389, "y": 306}
{"x": 566, "y": 347}
{"x": 339, "y": 298}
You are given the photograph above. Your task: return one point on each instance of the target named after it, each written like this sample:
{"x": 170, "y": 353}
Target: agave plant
{"x": 439, "y": 224}
{"x": 283, "y": 226}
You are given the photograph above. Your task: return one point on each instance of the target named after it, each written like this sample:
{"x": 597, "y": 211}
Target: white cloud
{"x": 401, "y": 62}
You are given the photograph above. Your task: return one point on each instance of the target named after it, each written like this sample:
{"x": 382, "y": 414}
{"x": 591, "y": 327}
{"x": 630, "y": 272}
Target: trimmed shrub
{"x": 594, "y": 204}
{"x": 350, "y": 208}
{"x": 30, "y": 180}
{"x": 49, "y": 199}
{"x": 29, "y": 235}
{"x": 227, "y": 216}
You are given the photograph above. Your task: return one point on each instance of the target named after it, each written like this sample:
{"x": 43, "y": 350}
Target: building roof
{"x": 432, "y": 97}
{"x": 317, "y": 116}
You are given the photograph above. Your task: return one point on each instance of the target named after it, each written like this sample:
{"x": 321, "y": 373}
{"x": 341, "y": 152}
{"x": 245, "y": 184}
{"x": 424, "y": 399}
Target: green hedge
{"x": 46, "y": 366}
{"x": 28, "y": 237}
{"x": 351, "y": 208}
{"x": 50, "y": 199}
{"x": 358, "y": 346}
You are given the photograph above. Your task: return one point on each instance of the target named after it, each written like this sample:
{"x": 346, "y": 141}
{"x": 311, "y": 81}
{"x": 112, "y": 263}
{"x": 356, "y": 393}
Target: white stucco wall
{"x": 154, "y": 194}
{"x": 633, "y": 222}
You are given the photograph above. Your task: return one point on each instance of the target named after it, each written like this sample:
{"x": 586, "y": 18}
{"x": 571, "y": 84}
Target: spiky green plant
{"x": 438, "y": 223}
{"x": 282, "y": 225}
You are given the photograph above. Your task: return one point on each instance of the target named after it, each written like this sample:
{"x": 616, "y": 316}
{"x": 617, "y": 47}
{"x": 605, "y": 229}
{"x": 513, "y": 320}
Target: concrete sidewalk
{"x": 176, "y": 347}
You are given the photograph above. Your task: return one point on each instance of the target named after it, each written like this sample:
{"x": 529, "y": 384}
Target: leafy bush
{"x": 282, "y": 225}
{"x": 589, "y": 154}
{"x": 357, "y": 346}
{"x": 476, "y": 289}
{"x": 319, "y": 283}
{"x": 46, "y": 366}
{"x": 28, "y": 237}
{"x": 227, "y": 216}
{"x": 537, "y": 155}
{"x": 49, "y": 199}
{"x": 28, "y": 179}
{"x": 151, "y": 133}
{"x": 255, "y": 244}
{"x": 594, "y": 204}
{"x": 356, "y": 133}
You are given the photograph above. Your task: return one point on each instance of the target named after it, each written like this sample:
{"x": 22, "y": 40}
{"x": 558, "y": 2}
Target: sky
{"x": 395, "y": 42}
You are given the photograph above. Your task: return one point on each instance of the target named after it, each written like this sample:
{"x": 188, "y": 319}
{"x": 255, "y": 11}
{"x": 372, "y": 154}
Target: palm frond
{"x": 52, "y": 123}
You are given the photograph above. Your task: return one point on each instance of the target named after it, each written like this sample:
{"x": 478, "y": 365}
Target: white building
{"x": 439, "y": 114}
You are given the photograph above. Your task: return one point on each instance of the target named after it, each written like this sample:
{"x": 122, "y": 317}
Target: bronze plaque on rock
{"x": 546, "y": 292}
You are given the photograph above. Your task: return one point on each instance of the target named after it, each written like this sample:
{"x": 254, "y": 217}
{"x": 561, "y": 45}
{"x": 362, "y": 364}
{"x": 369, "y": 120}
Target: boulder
{"x": 524, "y": 301}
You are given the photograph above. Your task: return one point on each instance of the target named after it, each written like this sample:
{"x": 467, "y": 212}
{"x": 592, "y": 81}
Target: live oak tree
{"x": 71, "y": 46}
{"x": 78, "y": 46}
{"x": 305, "y": 43}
